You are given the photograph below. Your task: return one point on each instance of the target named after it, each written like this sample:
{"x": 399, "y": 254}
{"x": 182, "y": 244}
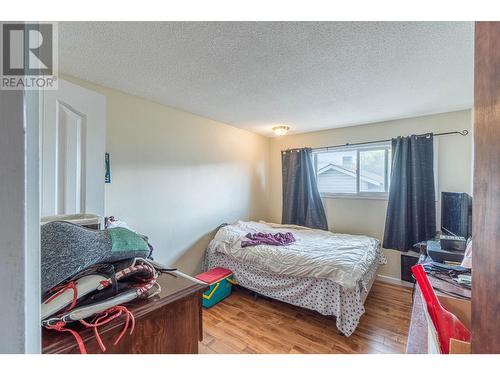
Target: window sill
{"x": 380, "y": 197}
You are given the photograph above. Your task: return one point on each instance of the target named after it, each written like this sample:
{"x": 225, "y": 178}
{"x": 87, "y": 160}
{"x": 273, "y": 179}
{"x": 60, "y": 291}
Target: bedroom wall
{"x": 367, "y": 216}
{"x": 162, "y": 178}
{"x": 177, "y": 176}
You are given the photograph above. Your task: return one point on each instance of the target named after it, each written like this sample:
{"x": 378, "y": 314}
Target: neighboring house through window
{"x": 354, "y": 170}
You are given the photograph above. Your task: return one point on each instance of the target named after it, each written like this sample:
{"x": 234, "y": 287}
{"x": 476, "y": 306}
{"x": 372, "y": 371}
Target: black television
{"x": 456, "y": 214}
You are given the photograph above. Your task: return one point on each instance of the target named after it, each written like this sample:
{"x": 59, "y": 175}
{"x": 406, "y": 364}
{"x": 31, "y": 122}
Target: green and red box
{"x": 221, "y": 282}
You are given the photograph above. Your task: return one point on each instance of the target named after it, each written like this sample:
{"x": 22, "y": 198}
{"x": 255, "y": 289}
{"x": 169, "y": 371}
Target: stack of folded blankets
{"x": 88, "y": 275}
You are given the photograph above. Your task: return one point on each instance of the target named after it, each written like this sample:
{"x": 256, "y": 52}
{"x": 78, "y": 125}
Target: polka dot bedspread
{"x": 321, "y": 295}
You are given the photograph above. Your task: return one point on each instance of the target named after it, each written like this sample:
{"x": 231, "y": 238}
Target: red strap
{"x": 61, "y": 289}
{"x": 105, "y": 283}
{"x": 106, "y": 317}
{"x": 60, "y": 326}
{"x": 100, "y": 320}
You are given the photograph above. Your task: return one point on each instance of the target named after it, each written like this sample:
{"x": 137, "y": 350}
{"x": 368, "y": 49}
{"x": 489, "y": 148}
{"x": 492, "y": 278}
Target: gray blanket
{"x": 67, "y": 249}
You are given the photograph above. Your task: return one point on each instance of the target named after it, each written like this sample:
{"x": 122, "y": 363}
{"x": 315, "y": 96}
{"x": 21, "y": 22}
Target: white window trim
{"x": 358, "y": 195}
{"x": 375, "y": 196}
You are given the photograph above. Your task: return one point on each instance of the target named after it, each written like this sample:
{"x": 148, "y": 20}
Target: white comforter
{"x": 342, "y": 258}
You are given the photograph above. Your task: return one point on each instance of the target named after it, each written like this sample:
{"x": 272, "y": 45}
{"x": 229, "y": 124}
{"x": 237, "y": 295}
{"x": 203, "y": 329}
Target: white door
{"x": 72, "y": 151}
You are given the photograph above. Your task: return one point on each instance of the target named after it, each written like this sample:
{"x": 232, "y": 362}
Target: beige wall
{"x": 365, "y": 216}
{"x": 177, "y": 176}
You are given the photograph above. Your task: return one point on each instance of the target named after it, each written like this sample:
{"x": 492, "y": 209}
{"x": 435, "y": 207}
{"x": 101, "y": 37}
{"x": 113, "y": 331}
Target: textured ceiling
{"x": 254, "y": 75}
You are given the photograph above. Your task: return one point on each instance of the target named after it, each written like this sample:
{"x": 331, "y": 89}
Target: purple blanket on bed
{"x": 277, "y": 239}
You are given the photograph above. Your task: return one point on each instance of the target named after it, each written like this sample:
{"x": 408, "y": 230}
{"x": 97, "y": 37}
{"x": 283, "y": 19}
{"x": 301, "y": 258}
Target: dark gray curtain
{"x": 301, "y": 200}
{"x": 411, "y": 211}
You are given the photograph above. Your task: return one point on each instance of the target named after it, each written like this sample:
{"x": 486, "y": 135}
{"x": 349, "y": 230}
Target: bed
{"x": 330, "y": 273}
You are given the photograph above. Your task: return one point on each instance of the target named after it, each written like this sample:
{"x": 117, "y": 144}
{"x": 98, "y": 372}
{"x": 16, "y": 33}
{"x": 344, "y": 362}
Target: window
{"x": 361, "y": 171}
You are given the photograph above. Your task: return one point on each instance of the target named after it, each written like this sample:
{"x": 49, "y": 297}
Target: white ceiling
{"x": 254, "y": 75}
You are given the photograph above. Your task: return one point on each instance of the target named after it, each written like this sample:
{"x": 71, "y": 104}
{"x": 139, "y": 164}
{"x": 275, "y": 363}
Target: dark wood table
{"x": 169, "y": 323}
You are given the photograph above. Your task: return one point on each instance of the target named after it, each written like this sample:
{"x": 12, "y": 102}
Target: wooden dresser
{"x": 170, "y": 323}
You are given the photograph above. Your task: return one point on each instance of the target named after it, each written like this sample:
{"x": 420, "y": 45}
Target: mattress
{"x": 319, "y": 294}
{"x": 341, "y": 258}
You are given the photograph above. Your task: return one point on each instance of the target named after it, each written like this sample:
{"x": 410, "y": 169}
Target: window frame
{"x": 386, "y": 146}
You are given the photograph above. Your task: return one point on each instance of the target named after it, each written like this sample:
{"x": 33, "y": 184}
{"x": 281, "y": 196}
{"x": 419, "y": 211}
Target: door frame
{"x": 20, "y": 330}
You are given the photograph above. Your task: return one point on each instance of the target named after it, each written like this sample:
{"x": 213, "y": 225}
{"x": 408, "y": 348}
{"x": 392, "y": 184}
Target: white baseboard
{"x": 393, "y": 280}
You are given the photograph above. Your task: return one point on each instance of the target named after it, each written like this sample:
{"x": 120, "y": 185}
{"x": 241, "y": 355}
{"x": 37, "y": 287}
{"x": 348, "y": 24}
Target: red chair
{"x": 447, "y": 325}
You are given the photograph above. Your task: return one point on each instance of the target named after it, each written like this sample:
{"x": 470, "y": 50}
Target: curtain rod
{"x": 463, "y": 133}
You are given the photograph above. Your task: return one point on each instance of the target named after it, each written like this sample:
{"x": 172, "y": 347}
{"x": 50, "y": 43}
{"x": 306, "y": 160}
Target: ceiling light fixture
{"x": 281, "y": 130}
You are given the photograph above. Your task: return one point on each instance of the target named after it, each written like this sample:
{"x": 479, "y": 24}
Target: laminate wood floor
{"x": 241, "y": 324}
